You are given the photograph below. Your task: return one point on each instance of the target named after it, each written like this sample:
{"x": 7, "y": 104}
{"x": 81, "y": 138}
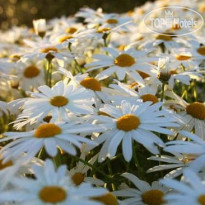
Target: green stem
{"x": 195, "y": 91}
{"x": 57, "y": 159}
{"x": 137, "y": 163}
{"x": 49, "y": 73}
{"x": 111, "y": 173}
{"x": 162, "y": 92}
{"x": 93, "y": 167}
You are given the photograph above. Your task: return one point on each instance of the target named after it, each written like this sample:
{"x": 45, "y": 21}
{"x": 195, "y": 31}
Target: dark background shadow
{"x": 22, "y": 12}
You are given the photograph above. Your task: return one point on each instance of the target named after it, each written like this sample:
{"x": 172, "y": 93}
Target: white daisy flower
{"x": 51, "y": 187}
{"x": 16, "y": 166}
{"x": 132, "y": 122}
{"x": 164, "y": 41}
{"x": 197, "y": 49}
{"x": 111, "y": 21}
{"x": 89, "y": 83}
{"x": 195, "y": 148}
{"x": 57, "y": 102}
{"x": 192, "y": 114}
{"x": 132, "y": 93}
{"x": 178, "y": 163}
{"x": 50, "y": 136}
{"x": 45, "y": 48}
{"x": 191, "y": 193}
{"x": 143, "y": 194}
{"x": 30, "y": 74}
{"x": 167, "y": 74}
{"x": 40, "y": 27}
{"x": 122, "y": 63}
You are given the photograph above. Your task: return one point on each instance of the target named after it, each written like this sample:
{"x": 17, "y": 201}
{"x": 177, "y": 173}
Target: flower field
{"x": 99, "y": 109}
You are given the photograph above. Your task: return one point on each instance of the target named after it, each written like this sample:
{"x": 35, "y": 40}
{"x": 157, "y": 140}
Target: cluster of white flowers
{"x": 95, "y": 109}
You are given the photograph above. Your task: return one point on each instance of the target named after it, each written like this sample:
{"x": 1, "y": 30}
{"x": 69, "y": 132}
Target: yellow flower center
{"x": 112, "y": 21}
{"x": 164, "y": 37}
{"x": 71, "y": 30}
{"x": 122, "y": 47}
{"x": 78, "y": 178}
{"x": 202, "y": 8}
{"x": 91, "y": 83}
{"x": 196, "y": 110}
{"x": 130, "y": 13}
{"x": 107, "y": 199}
{"x": 128, "y": 122}
{"x": 52, "y": 194}
{"x": 183, "y": 57}
{"x": 149, "y": 97}
{"x": 47, "y": 131}
{"x": 31, "y": 71}
{"x": 5, "y": 165}
{"x": 153, "y": 197}
{"x": 102, "y": 30}
{"x": 49, "y": 49}
{"x": 124, "y": 60}
{"x": 59, "y": 101}
{"x": 201, "y": 50}
{"x": 201, "y": 199}
{"x": 65, "y": 38}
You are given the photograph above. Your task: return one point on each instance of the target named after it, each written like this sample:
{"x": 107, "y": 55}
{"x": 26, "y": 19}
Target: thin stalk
{"x": 162, "y": 92}
{"x": 111, "y": 173}
{"x": 93, "y": 167}
{"x": 137, "y": 163}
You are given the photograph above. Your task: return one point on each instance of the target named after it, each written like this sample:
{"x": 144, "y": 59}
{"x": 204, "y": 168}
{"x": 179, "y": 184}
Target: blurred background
{"x": 22, "y": 12}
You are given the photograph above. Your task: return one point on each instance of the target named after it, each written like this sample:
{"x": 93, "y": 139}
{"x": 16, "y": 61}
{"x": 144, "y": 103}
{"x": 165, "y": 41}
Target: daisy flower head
{"x": 48, "y": 135}
{"x": 197, "y": 48}
{"x": 122, "y": 62}
{"x": 191, "y": 191}
{"x": 46, "y": 48}
{"x": 177, "y": 163}
{"x": 132, "y": 122}
{"x": 91, "y": 84}
{"x": 112, "y": 20}
{"x": 30, "y": 74}
{"x": 51, "y": 186}
{"x": 194, "y": 148}
{"x": 167, "y": 40}
{"x": 57, "y": 101}
{"x": 79, "y": 173}
{"x": 167, "y": 73}
{"x": 16, "y": 166}
{"x": 143, "y": 194}
{"x": 192, "y": 114}
{"x": 65, "y": 39}
{"x": 182, "y": 57}
{"x": 40, "y": 27}
{"x": 132, "y": 93}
